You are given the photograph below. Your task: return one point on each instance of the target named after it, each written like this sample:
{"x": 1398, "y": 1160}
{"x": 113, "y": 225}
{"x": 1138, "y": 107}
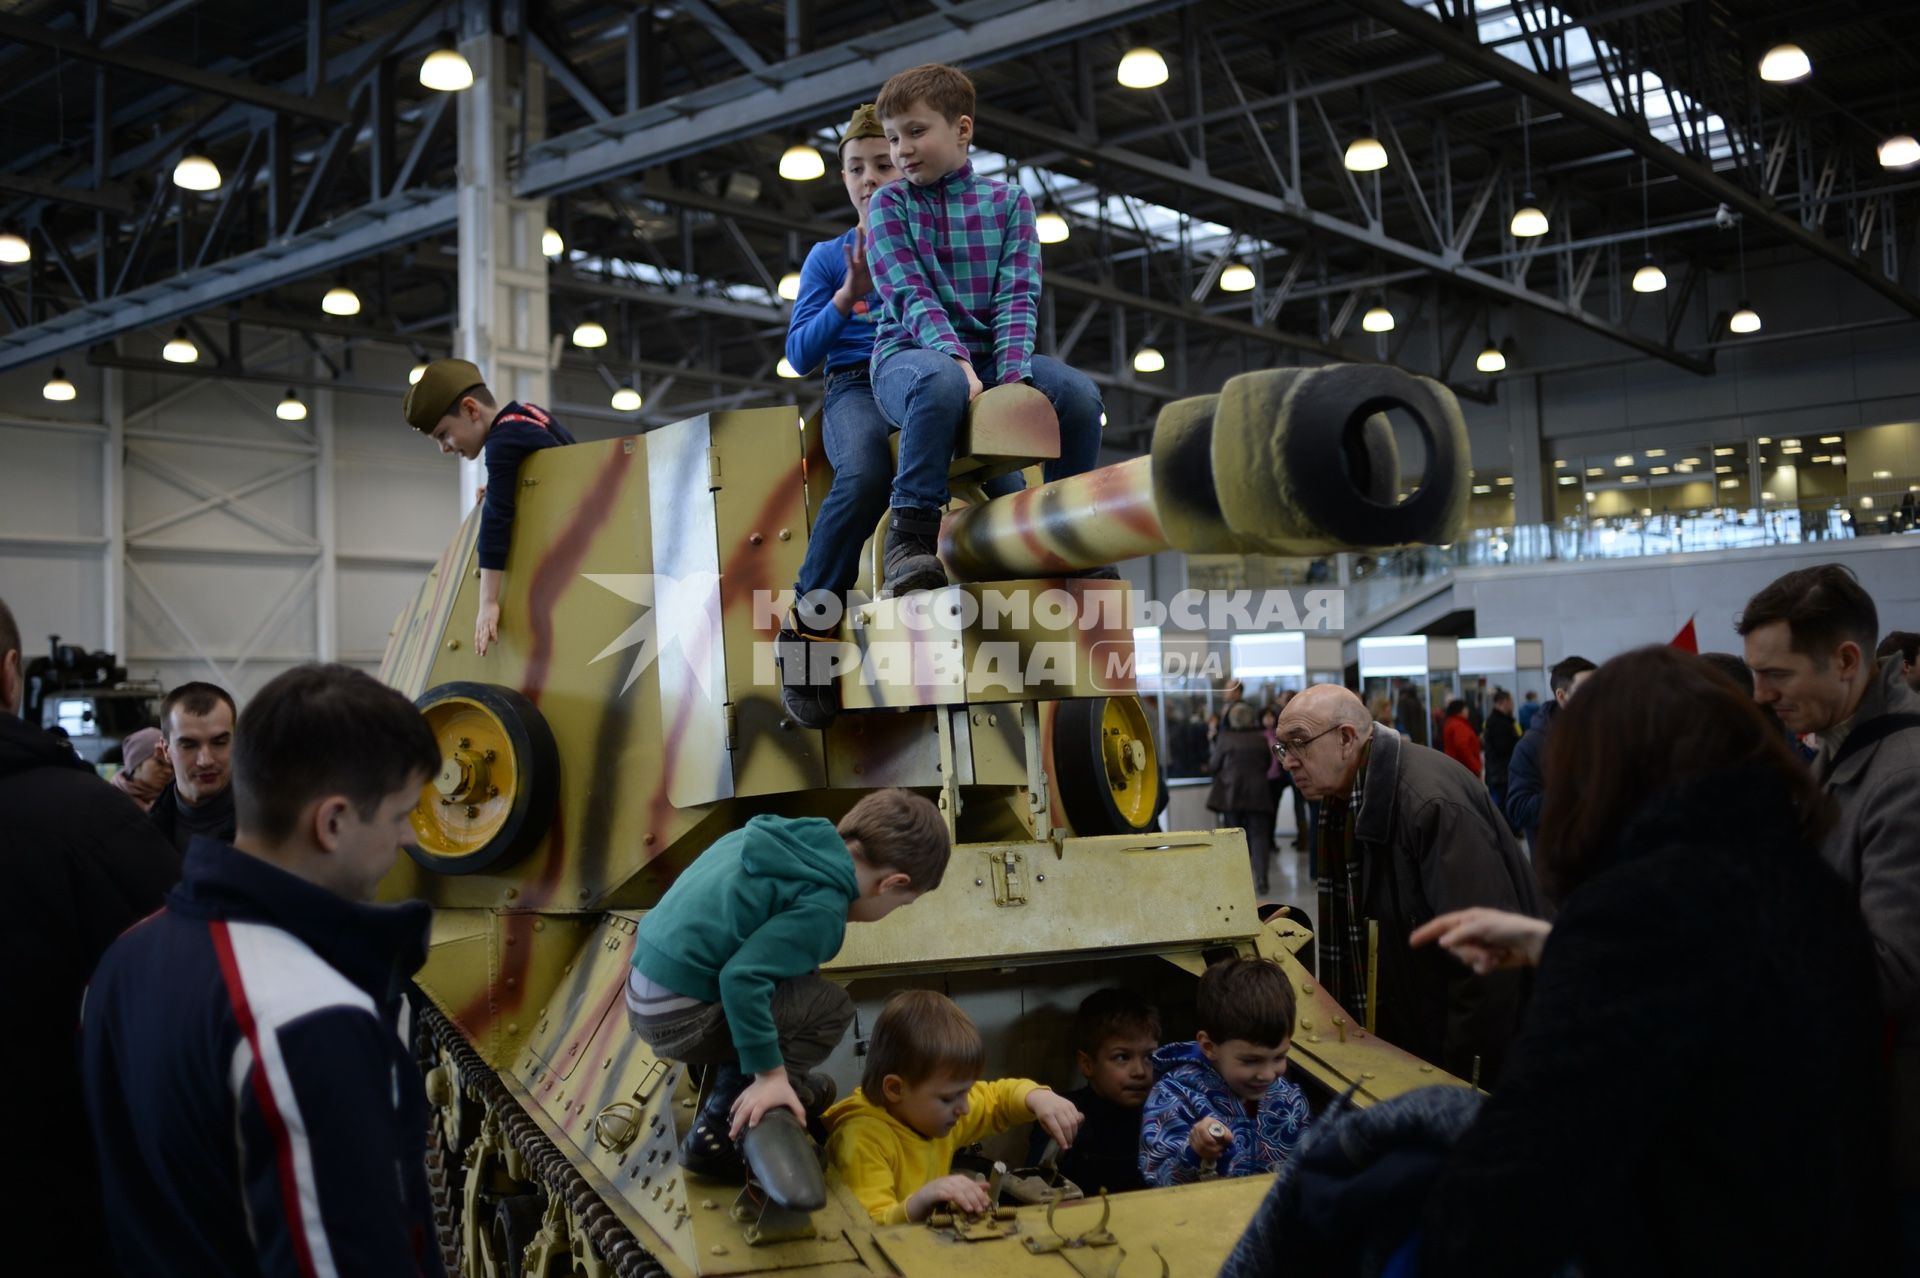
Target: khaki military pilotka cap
{"x": 429, "y": 398}
{"x": 864, "y": 124}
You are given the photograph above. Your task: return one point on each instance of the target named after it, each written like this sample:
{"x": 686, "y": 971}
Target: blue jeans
{"x": 855, "y": 433}
{"x": 925, "y": 394}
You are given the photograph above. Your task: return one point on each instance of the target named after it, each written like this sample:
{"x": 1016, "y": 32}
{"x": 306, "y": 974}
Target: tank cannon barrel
{"x": 1281, "y": 462}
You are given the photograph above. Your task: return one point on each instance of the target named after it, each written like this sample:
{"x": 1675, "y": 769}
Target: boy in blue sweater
{"x": 1223, "y": 1104}
{"x": 452, "y": 406}
{"x": 726, "y": 967}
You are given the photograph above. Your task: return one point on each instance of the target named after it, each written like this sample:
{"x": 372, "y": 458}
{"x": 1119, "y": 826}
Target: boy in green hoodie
{"x": 726, "y": 967}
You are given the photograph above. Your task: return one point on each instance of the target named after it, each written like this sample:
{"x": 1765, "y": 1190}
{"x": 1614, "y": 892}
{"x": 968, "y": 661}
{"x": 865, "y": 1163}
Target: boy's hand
{"x": 1056, "y": 1115}
{"x": 1210, "y": 1138}
{"x": 859, "y": 281}
{"x": 770, "y": 1090}
{"x": 964, "y": 1193}
{"x": 974, "y": 388}
{"x": 486, "y": 627}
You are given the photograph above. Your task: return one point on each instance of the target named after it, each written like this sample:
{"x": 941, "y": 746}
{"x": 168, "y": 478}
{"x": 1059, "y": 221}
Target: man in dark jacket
{"x": 1405, "y": 835}
{"x": 1527, "y": 771}
{"x": 81, "y": 865}
{"x": 1497, "y": 741}
{"x": 1240, "y": 792}
{"x": 196, "y": 736}
{"x": 1807, "y": 636}
{"x": 253, "y": 1107}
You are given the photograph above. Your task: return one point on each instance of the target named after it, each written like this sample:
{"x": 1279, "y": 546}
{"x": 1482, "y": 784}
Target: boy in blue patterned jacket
{"x": 1223, "y": 1102}
{"x": 956, "y": 264}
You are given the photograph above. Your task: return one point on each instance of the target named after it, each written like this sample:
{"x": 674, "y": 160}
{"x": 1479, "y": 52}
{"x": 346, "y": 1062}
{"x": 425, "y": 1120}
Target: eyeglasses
{"x": 1285, "y": 748}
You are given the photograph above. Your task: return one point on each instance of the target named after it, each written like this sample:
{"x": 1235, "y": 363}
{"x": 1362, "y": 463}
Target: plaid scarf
{"x": 1342, "y": 940}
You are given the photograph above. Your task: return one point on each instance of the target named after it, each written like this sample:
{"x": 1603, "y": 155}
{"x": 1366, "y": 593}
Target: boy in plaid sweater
{"x": 956, "y": 263}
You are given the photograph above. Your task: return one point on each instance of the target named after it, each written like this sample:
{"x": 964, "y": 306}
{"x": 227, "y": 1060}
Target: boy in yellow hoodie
{"x": 919, "y": 1099}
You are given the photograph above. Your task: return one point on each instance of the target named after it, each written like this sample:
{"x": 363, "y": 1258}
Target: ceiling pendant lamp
{"x": 1050, "y": 228}
{"x": 589, "y": 335}
{"x": 58, "y": 388}
{"x": 1491, "y": 360}
{"x": 626, "y": 400}
{"x": 290, "y": 409}
{"x": 195, "y": 172}
{"x": 341, "y": 300}
{"x": 551, "y": 244}
{"x": 14, "y": 248}
{"x": 1649, "y": 279}
{"x": 1237, "y": 278}
{"x": 1148, "y": 359}
{"x": 1900, "y": 151}
{"x": 785, "y": 368}
{"x": 1744, "y": 320}
{"x": 180, "y": 348}
{"x": 1365, "y": 155}
{"x": 1142, "y": 68}
{"x": 801, "y": 163}
{"x": 789, "y": 286}
{"x": 446, "y": 70}
{"x": 1784, "y": 64}
{"x": 415, "y": 373}
{"x": 1378, "y": 320}
{"x": 1529, "y": 220}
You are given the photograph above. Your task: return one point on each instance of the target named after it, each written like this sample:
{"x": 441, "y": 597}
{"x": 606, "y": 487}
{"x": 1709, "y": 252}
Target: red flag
{"x": 1686, "y": 640}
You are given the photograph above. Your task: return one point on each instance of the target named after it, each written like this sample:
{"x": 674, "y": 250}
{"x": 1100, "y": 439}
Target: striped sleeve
{"x": 905, "y": 291}
{"x": 323, "y": 1186}
{"x": 1016, "y": 291}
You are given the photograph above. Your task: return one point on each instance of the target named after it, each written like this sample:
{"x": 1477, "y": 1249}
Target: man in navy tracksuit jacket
{"x": 254, "y": 1099}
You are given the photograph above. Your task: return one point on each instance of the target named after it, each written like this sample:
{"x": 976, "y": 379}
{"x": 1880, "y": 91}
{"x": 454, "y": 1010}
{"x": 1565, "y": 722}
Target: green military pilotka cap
{"x": 864, "y": 124}
{"x": 430, "y": 398}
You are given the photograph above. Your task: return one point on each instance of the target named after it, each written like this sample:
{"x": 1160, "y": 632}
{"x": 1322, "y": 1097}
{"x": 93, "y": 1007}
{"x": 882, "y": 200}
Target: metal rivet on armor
{"x": 707, "y": 1204}
{"x": 1306, "y": 987}
{"x": 1366, "y": 1073}
{"x": 755, "y": 539}
{"x": 718, "y": 1250}
{"x": 453, "y": 645}
{"x": 979, "y": 882}
{"x": 786, "y": 534}
{"x": 1039, "y": 878}
{"x": 1426, "y": 1069}
{"x": 651, "y": 839}
{"x": 513, "y": 892}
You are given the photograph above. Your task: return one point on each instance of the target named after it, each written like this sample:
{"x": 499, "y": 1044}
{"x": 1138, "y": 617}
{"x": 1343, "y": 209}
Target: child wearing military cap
{"x": 832, "y": 329}
{"x": 452, "y": 406}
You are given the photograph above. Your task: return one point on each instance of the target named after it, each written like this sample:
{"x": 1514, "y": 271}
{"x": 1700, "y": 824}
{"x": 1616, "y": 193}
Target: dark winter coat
{"x": 1429, "y": 842}
{"x": 1527, "y": 775}
{"x": 81, "y": 864}
{"x": 1239, "y": 766}
{"x": 1657, "y": 1116}
{"x": 216, "y": 818}
{"x": 250, "y": 1082}
{"x": 1497, "y": 745}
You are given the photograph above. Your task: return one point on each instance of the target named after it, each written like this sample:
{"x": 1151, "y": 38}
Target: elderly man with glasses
{"x": 1405, "y": 834}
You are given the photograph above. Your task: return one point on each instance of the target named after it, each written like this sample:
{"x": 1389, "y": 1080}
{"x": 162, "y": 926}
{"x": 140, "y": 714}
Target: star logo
{"x": 677, "y": 613}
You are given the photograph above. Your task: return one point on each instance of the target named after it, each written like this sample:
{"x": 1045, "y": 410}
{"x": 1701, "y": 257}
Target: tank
{"x": 629, "y": 716}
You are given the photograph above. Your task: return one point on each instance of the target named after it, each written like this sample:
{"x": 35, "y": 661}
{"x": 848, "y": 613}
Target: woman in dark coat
{"x": 1696, "y": 1087}
{"x": 1239, "y": 764}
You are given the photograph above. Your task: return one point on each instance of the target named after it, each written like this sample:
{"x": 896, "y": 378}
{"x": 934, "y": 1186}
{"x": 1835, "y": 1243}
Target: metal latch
{"x": 713, "y": 470}
{"x": 1009, "y": 877}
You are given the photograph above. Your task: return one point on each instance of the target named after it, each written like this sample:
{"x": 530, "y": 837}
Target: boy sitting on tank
{"x": 921, "y": 1098}
{"x": 1223, "y": 1104}
{"x": 1115, "y": 1034}
{"x": 955, "y": 276}
{"x": 726, "y": 967}
{"x": 452, "y": 406}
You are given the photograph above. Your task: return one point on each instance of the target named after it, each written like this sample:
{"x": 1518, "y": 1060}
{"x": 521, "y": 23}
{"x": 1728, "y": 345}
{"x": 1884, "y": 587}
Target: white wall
{"x": 177, "y": 521}
{"x": 1602, "y": 608}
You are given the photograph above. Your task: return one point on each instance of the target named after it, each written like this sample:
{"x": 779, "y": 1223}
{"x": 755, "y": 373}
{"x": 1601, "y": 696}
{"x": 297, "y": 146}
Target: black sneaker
{"x": 911, "y": 560}
{"x": 809, "y": 694}
{"x": 708, "y": 1148}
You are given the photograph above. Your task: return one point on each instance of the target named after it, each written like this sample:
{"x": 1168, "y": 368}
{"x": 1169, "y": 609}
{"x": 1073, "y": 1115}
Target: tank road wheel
{"x": 1105, "y": 764}
{"x": 499, "y": 776}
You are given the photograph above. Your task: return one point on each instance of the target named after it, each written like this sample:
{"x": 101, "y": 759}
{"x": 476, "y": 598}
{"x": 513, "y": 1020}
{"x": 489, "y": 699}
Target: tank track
{"x": 613, "y": 1240}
